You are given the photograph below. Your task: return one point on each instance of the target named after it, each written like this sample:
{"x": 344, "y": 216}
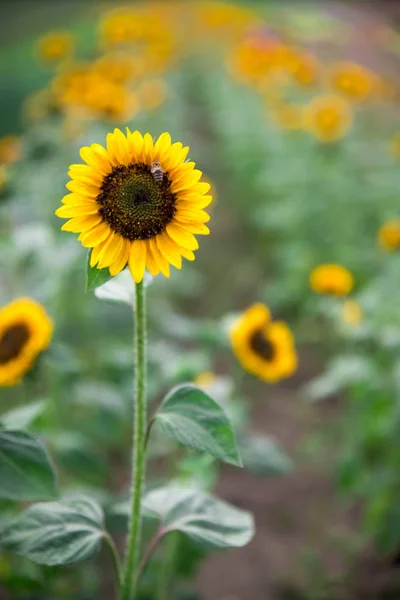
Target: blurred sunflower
{"x": 354, "y": 81}
{"x": 351, "y": 312}
{"x": 263, "y": 347}
{"x": 331, "y": 279}
{"x": 304, "y": 68}
{"x": 389, "y": 235}
{"x": 55, "y": 46}
{"x": 136, "y": 202}
{"x": 25, "y": 331}
{"x": 327, "y": 117}
{"x": 10, "y": 149}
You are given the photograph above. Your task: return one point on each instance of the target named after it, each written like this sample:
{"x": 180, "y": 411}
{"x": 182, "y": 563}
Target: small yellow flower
{"x": 136, "y": 202}
{"x": 331, "y": 279}
{"x": 304, "y": 68}
{"x": 354, "y": 81}
{"x": 151, "y": 93}
{"x": 288, "y": 116}
{"x": 389, "y": 235}
{"x": 205, "y": 378}
{"x": 263, "y": 347}
{"x": 352, "y": 312}
{"x": 328, "y": 118}
{"x": 25, "y": 331}
{"x": 55, "y": 46}
{"x": 10, "y": 149}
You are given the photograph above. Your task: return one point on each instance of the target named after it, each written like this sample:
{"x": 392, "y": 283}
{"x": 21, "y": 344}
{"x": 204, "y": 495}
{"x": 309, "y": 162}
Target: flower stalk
{"x": 131, "y": 562}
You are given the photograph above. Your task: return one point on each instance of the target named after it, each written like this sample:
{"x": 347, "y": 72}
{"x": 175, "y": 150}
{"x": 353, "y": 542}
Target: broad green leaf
{"x": 56, "y": 533}
{"x": 190, "y": 417}
{"x": 26, "y": 472}
{"x": 262, "y": 456}
{"x": 23, "y": 416}
{"x": 95, "y": 277}
{"x": 203, "y": 517}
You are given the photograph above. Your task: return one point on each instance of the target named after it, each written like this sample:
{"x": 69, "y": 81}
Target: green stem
{"x": 167, "y": 568}
{"x": 129, "y": 577}
{"x": 115, "y": 557}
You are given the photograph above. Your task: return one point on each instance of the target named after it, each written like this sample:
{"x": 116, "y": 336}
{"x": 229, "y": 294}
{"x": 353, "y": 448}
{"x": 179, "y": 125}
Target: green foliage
{"x": 56, "y": 533}
{"x": 26, "y": 472}
{"x": 196, "y": 421}
{"x": 95, "y": 277}
{"x": 207, "y": 520}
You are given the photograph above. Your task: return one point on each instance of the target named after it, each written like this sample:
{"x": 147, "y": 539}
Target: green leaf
{"x": 262, "y": 456}
{"x": 26, "y": 472}
{"x": 204, "y": 518}
{"x": 56, "y": 533}
{"x": 95, "y": 277}
{"x": 192, "y": 418}
{"x": 23, "y": 416}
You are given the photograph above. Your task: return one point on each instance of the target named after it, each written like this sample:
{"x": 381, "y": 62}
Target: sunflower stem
{"x": 131, "y": 562}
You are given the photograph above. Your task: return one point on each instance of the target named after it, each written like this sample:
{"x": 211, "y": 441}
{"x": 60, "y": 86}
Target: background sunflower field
{"x": 289, "y": 318}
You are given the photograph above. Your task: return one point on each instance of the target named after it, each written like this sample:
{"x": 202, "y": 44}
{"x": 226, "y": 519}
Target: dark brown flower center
{"x": 12, "y": 342}
{"x": 262, "y": 346}
{"x": 134, "y": 204}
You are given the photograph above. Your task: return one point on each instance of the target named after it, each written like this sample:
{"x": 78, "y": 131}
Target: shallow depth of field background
{"x": 324, "y": 480}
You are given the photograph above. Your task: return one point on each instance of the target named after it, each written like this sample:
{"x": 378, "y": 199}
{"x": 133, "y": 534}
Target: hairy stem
{"x": 129, "y": 577}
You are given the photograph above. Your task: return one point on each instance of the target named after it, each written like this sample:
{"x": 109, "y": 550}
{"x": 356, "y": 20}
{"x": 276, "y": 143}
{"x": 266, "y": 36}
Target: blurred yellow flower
{"x": 120, "y": 26}
{"x": 55, "y": 46}
{"x": 389, "y": 235}
{"x": 151, "y": 93}
{"x": 136, "y": 202}
{"x": 25, "y": 331}
{"x": 352, "y": 312}
{"x": 304, "y": 68}
{"x": 205, "y": 378}
{"x": 10, "y": 149}
{"x": 119, "y": 67}
{"x": 356, "y": 82}
{"x": 288, "y": 116}
{"x": 331, "y": 279}
{"x": 328, "y": 118}
{"x": 263, "y": 347}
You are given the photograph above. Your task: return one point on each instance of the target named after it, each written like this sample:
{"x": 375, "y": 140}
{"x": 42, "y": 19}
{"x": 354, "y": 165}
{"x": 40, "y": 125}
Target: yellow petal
{"x": 85, "y": 174}
{"x": 184, "y": 215}
{"x": 188, "y": 254}
{"x": 186, "y": 182}
{"x": 198, "y": 190}
{"x": 161, "y": 261}
{"x": 77, "y": 200}
{"x": 95, "y": 236}
{"x": 137, "y": 260}
{"x": 135, "y": 146}
{"x": 194, "y": 202}
{"x": 78, "y": 224}
{"x": 197, "y": 228}
{"x": 162, "y": 146}
{"x": 147, "y": 152}
{"x": 96, "y": 251}
{"x": 96, "y": 156}
{"x": 169, "y": 249}
{"x": 176, "y": 156}
{"x": 111, "y": 250}
{"x": 120, "y": 147}
{"x": 66, "y": 212}
{"x": 83, "y": 189}
{"x": 182, "y": 237}
{"x": 121, "y": 260}
{"x": 151, "y": 261}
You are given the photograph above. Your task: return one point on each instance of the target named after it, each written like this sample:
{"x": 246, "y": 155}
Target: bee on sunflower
{"x": 125, "y": 215}
{"x": 263, "y": 347}
{"x": 25, "y": 331}
{"x": 331, "y": 279}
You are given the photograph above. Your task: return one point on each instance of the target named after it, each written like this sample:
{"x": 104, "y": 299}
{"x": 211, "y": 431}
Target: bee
{"x": 157, "y": 171}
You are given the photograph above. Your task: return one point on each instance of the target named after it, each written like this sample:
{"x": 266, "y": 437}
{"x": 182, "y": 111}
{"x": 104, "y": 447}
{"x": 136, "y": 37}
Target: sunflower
{"x": 25, "y": 331}
{"x": 331, "y": 279}
{"x": 55, "y": 46}
{"x": 389, "y": 235}
{"x": 328, "y": 118}
{"x": 354, "y": 81}
{"x": 10, "y": 149}
{"x": 352, "y": 313}
{"x": 263, "y": 347}
{"x": 136, "y": 202}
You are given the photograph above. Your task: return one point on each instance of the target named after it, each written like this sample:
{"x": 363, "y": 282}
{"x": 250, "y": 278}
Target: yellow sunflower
{"x": 328, "y": 118}
{"x": 55, "y": 46}
{"x": 136, "y": 202}
{"x": 389, "y": 235}
{"x": 25, "y": 331}
{"x": 263, "y": 347}
{"x": 331, "y": 279}
{"x": 354, "y": 81}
